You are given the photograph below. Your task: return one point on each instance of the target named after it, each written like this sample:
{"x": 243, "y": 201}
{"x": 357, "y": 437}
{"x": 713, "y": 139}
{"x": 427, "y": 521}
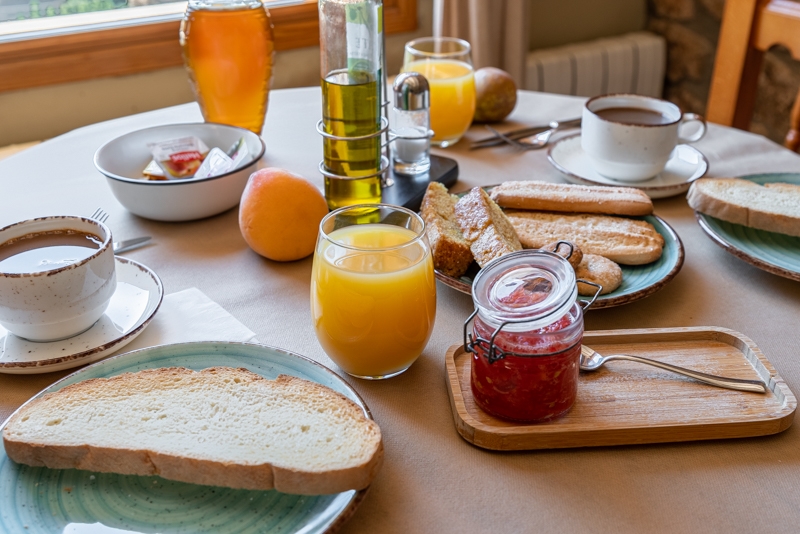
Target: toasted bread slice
{"x": 485, "y": 226}
{"x": 772, "y": 207}
{"x": 451, "y": 252}
{"x": 625, "y": 241}
{"x": 220, "y": 426}
{"x": 543, "y": 196}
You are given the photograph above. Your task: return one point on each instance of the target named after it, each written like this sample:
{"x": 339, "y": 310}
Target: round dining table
{"x": 432, "y": 479}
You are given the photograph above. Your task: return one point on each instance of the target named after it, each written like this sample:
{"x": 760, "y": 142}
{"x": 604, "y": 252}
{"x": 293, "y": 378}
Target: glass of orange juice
{"x": 446, "y": 63}
{"x": 373, "y": 293}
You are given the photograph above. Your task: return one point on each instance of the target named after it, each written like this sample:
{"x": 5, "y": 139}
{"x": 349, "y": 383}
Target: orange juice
{"x": 452, "y": 85}
{"x": 373, "y": 308}
{"x": 228, "y": 53}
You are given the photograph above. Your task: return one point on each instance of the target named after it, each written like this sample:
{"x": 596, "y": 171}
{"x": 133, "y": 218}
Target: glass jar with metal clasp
{"x": 526, "y": 336}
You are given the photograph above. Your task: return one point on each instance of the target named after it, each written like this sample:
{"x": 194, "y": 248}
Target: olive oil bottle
{"x": 351, "y": 73}
{"x": 351, "y": 109}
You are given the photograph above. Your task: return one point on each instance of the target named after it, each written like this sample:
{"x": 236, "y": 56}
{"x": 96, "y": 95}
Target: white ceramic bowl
{"x": 123, "y": 159}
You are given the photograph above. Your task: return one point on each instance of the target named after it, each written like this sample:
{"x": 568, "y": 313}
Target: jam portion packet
{"x": 179, "y": 158}
{"x": 189, "y": 157}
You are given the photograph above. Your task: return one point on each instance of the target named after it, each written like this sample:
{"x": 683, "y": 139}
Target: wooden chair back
{"x": 750, "y": 28}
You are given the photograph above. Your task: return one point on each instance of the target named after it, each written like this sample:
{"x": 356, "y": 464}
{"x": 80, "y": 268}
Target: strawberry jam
{"x": 530, "y": 372}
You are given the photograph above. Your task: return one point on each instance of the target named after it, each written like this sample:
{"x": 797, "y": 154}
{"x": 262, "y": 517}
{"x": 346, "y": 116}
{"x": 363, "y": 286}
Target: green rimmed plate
{"x": 42, "y": 500}
{"x": 775, "y": 253}
{"x": 638, "y": 281}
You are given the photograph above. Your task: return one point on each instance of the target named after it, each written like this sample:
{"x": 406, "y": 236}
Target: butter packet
{"x": 217, "y": 162}
{"x": 179, "y": 158}
{"x": 153, "y": 171}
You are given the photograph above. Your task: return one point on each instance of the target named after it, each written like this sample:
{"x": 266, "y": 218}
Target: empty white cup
{"x": 633, "y": 152}
{"x": 62, "y": 302}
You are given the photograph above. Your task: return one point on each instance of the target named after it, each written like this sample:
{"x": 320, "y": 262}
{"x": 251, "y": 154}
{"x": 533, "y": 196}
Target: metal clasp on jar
{"x": 494, "y": 353}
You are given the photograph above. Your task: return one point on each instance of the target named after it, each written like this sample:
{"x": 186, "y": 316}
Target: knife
{"x": 130, "y": 244}
{"x": 521, "y": 133}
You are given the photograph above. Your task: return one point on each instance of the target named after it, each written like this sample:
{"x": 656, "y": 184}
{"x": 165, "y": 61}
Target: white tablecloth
{"x": 433, "y": 480}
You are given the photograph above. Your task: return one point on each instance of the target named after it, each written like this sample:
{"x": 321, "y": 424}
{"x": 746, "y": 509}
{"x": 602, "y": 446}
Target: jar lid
{"x": 530, "y": 288}
{"x": 411, "y": 92}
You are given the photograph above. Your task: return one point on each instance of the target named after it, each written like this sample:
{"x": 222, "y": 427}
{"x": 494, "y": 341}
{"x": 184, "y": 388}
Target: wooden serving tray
{"x": 627, "y": 403}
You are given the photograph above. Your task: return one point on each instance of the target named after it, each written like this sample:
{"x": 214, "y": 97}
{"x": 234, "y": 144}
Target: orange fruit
{"x": 279, "y": 214}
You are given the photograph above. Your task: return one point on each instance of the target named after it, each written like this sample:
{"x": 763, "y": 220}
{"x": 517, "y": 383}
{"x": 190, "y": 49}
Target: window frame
{"x": 117, "y": 42}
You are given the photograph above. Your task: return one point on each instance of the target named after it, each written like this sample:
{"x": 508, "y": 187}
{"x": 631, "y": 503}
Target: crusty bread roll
{"x": 220, "y": 426}
{"x": 625, "y": 241}
{"x": 543, "y": 196}
{"x": 451, "y": 252}
{"x": 567, "y": 250}
{"x": 600, "y": 270}
{"x": 485, "y": 226}
{"x": 772, "y": 207}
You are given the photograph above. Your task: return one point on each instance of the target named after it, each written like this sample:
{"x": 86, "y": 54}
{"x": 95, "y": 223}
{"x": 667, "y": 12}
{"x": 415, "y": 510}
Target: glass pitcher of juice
{"x": 227, "y": 49}
{"x": 445, "y": 62}
{"x": 373, "y": 291}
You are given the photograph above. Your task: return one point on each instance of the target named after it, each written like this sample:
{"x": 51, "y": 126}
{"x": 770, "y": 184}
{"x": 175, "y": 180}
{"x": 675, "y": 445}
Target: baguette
{"x": 450, "y": 251}
{"x": 545, "y": 196}
{"x": 772, "y": 207}
{"x": 625, "y": 241}
{"x": 485, "y": 226}
{"x": 220, "y": 426}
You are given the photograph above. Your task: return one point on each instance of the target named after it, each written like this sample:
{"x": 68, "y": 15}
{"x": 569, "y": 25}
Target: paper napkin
{"x": 189, "y": 315}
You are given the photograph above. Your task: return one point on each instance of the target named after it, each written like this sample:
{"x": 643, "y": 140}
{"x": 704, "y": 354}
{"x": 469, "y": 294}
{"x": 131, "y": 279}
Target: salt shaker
{"x": 411, "y": 124}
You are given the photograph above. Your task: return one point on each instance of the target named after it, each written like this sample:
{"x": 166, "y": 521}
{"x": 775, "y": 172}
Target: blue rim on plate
{"x": 638, "y": 281}
{"x": 769, "y": 251}
{"x": 42, "y": 500}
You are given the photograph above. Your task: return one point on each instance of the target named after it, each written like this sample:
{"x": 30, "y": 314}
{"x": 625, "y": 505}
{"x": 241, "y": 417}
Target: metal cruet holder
{"x": 385, "y": 180}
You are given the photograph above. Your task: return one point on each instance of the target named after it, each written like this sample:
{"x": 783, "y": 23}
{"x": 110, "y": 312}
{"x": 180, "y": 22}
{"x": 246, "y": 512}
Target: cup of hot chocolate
{"x": 630, "y": 137}
{"x": 57, "y": 275}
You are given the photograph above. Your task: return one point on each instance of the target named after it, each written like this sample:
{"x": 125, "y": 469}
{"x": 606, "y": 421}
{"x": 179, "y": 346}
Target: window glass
{"x": 35, "y": 9}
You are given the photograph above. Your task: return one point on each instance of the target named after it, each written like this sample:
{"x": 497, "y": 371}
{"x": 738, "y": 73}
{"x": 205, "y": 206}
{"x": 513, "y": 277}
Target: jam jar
{"x": 526, "y": 337}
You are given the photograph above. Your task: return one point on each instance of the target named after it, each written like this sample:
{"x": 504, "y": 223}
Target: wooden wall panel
{"x": 147, "y": 47}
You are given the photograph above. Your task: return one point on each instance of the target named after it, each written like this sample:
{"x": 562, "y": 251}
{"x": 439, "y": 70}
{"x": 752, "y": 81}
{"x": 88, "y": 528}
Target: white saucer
{"x": 132, "y": 307}
{"x": 685, "y": 165}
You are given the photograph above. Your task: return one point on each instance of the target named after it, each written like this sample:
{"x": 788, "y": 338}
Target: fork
{"x": 538, "y": 140}
{"x": 99, "y": 215}
{"x": 591, "y": 360}
{"x": 521, "y": 133}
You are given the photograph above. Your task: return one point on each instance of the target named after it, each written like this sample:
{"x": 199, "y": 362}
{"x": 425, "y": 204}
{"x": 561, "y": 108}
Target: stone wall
{"x": 691, "y": 28}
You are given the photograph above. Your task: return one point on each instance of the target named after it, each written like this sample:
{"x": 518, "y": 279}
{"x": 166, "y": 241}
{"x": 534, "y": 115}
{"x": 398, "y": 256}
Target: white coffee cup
{"x": 633, "y": 152}
{"x": 62, "y": 302}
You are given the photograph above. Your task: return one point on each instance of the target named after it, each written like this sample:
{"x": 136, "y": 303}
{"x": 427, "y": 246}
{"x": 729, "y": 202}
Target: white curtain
{"x": 496, "y": 29}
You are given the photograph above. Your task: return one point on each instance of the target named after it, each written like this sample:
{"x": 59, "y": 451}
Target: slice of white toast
{"x": 220, "y": 426}
{"x": 773, "y": 207}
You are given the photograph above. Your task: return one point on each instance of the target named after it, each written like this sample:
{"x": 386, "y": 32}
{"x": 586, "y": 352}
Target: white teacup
{"x": 63, "y": 301}
{"x": 631, "y": 137}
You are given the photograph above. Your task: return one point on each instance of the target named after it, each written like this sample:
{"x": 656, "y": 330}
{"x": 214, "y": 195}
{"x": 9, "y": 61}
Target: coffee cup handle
{"x": 690, "y": 117}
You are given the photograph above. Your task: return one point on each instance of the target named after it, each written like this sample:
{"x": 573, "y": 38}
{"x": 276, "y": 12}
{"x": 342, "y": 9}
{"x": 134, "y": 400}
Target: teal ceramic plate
{"x": 42, "y": 500}
{"x": 775, "y": 253}
{"x": 638, "y": 281}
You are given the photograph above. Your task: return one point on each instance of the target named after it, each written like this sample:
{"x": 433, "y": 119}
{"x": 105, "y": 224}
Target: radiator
{"x": 630, "y": 63}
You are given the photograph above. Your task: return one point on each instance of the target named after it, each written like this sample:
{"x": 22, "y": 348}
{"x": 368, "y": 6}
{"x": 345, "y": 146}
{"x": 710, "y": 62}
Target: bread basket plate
{"x": 42, "y": 500}
{"x": 769, "y": 251}
{"x": 638, "y": 281}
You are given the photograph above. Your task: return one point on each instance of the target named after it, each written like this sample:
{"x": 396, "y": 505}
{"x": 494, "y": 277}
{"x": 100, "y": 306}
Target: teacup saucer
{"x": 132, "y": 307}
{"x": 685, "y": 165}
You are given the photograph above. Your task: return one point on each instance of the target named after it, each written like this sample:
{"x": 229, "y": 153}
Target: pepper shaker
{"x": 411, "y": 124}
